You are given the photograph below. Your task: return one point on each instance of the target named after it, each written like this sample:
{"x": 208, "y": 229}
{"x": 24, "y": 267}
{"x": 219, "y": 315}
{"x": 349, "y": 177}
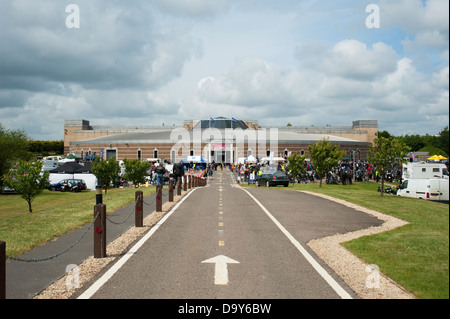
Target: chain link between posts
{"x": 34, "y": 260}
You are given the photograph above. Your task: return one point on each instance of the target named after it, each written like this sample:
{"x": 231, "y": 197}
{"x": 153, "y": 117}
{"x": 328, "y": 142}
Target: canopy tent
{"x": 194, "y": 159}
{"x": 250, "y": 159}
{"x": 437, "y": 158}
{"x": 72, "y": 170}
{"x": 273, "y": 159}
{"x": 68, "y": 168}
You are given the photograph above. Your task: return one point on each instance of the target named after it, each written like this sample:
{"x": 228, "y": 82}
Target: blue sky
{"x": 310, "y": 62}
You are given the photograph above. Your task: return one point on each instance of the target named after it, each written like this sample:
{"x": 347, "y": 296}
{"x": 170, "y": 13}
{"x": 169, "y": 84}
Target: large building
{"x": 219, "y": 139}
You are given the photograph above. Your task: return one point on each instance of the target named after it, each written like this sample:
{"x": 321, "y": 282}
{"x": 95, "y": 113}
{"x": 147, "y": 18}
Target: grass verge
{"x": 416, "y": 255}
{"x": 54, "y": 214}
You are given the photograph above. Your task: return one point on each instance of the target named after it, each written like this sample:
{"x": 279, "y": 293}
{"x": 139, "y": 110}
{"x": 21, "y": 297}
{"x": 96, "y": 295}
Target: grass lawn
{"x": 416, "y": 255}
{"x": 54, "y": 214}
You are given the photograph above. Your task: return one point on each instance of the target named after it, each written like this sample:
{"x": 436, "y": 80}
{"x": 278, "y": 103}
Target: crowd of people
{"x": 346, "y": 172}
{"x": 342, "y": 173}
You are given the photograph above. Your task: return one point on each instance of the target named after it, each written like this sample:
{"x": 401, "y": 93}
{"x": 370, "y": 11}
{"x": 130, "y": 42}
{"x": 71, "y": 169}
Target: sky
{"x": 160, "y": 62}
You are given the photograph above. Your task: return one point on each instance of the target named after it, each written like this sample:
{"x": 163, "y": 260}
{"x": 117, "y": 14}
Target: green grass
{"x": 416, "y": 255}
{"x": 54, "y": 214}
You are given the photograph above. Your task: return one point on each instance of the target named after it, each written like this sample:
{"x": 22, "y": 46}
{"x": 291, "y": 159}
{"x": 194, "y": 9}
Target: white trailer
{"x": 423, "y": 170}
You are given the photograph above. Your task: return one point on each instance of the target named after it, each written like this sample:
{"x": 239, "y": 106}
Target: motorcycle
{"x": 70, "y": 188}
{"x": 388, "y": 190}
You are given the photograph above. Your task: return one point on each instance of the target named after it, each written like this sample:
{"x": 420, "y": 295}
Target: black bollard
{"x": 139, "y": 209}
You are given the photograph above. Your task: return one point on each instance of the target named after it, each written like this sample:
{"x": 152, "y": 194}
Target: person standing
{"x": 178, "y": 171}
{"x": 160, "y": 171}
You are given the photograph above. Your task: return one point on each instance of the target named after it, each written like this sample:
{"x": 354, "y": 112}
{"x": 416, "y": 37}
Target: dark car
{"x": 5, "y": 189}
{"x": 68, "y": 185}
{"x": 272, "y": 179}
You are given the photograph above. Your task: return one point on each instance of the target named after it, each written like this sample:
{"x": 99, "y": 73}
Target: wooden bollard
{"x": 100, "y": 231}
{"x": 159, "y": 198}
{"x": 171, "y": 190}
{"x": 139, "y": 209}
{"x": 185, "y": 183}
{"x": 189, "y": 181}
{"x": 2, "y": 270}
{"x": 179, "y": 186}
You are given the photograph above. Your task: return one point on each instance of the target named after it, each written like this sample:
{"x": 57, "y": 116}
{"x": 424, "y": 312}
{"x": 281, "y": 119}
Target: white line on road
{"x": 107, "y": 275}
{"x": 336, "y": 287}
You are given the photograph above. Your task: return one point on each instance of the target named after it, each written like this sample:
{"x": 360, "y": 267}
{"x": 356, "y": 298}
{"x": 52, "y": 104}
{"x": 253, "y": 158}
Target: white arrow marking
{"x": 221, "y": 276}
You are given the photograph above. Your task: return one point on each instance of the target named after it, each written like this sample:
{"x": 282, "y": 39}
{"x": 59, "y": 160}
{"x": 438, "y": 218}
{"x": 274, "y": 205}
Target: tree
{"x": 27, "y": 179}
{"x": 324, "y": 156}
{"x": 136, "y": 170}
{"x": 443, "y": 140}
{"x": 385, "y": 152}
{"x": 13, "y": 146}
{"x": 106, "y": 171}
{"x": 296, "y": 164}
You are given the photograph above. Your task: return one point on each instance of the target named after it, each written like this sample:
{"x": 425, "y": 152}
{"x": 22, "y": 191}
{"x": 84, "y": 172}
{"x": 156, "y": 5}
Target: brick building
{"x": 219, "y": 139}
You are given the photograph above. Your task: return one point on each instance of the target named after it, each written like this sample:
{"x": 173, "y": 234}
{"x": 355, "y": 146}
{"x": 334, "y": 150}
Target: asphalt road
{"x": 223, "y": 241}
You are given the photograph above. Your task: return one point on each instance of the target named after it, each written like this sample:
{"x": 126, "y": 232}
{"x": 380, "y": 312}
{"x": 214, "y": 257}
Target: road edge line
{"x": 107, "y": 275}
{"x": 322, "y": 272}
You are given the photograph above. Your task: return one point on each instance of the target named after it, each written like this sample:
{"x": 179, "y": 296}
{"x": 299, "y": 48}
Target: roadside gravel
{"x": 366, "y": 280}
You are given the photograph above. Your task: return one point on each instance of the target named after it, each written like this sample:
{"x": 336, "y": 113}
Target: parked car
{"x": 272, "y": 179}
{"x": 7, "y": 190}
{"x": 73, "y": 185}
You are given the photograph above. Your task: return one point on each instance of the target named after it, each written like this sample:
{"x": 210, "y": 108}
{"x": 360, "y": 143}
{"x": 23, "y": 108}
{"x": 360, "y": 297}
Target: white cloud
{"x": 193, "y": 8}
{"x": 308, "y": 63}
{"x": 427, "y": 22}
{"x": 352, "y": 59}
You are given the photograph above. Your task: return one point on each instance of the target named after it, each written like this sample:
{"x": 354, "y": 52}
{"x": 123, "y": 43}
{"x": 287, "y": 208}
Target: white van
{"x": 438, "y": 189}
{"x": 432, "y": 189}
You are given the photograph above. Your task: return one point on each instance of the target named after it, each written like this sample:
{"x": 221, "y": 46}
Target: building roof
{"x": 221, "y": 123}
{"x": 238, "y": 135}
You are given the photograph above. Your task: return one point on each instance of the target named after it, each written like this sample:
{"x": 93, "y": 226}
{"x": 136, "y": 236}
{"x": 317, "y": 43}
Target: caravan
{"x": 424, "y": 170}
{"x": 435, "y": 189}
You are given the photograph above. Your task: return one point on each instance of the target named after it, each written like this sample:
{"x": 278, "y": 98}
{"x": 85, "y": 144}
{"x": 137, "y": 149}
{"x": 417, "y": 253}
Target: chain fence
{"x": 35, "y": 260}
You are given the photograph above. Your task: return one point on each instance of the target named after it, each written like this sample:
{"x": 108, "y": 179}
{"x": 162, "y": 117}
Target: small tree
{"x": 136, "y": 170}
{"x": 385, "y": 152}
{"x": 106, "y": 171}
{"x": 296, "y": 164}
{"x": 324, "y": 156}
{"x": 13, "y": 147}
{"x": 27, "y": 179}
